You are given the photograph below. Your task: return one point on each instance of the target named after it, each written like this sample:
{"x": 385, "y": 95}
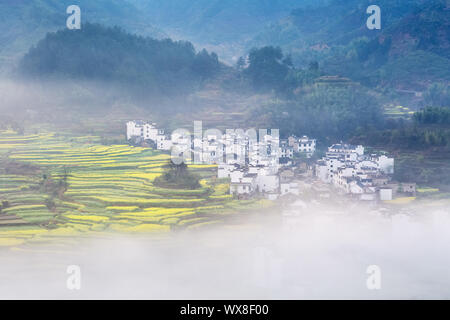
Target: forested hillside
{"x": 112, "y": 55}
{"x": 410, "y": 50}
{"x": 24, "y": 23}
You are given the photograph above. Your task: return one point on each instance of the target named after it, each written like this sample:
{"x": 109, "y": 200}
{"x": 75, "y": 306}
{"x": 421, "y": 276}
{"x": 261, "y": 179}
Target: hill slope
{"x": 412, "y": 47}
{"x": 111, "y": 54}
{"x": 23, "y": 23}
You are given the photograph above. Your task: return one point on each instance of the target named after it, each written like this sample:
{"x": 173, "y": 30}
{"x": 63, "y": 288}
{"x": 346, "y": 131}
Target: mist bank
{"x": 44, "y": 101}
{"x": 322, "y": 254}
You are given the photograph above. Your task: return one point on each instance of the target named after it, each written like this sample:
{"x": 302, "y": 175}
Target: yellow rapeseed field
{"x": 109, "y": 189}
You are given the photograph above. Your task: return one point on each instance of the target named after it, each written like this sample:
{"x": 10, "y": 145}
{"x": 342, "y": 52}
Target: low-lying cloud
{"x": 322, "y": 253}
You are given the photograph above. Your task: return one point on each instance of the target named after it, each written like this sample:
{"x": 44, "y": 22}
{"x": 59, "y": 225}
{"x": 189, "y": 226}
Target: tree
{"x": 142, "y": 64}
{"x": 328, "y": 113}
{"x": 178, "y": 170}
{"x": 206, "y": 65}
{"x": 266, "y": 69}
{"x": 313, "y": 66}
{"x": 437, "y": 95}
{"x": 433, "y": 115}
{"x": 5, "y": 204}
{"x": 178, "y": 175}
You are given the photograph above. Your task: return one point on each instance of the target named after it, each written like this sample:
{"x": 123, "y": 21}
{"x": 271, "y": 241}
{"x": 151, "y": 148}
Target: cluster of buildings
{"x": 141, "y": 131}
{"x": 273, "y": 178}
{"x": 364, "y": 176}
{"x": 266, "y": 165}
{"x": 251, "y": 160}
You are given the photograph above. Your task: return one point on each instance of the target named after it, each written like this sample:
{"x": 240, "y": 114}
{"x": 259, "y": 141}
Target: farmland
{"x": 60, "y": 187}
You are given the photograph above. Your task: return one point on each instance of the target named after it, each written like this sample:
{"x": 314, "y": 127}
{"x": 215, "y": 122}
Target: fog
{"x": 61, "y": 96}
{"x": 319, "y": 253}
{"x": 66, "y": 105}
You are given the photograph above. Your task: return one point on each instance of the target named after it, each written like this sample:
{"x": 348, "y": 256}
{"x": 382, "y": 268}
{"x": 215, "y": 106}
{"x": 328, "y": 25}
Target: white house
{"x": 142, "y": 129}
{"x": 385, "y": 194}
{"x": 267, "y": 183}
{"x": 135, "y": 129}
{"x": 346, "y": 167}
{"x": 306, "y": 146}
{"x": 164, "y": 143}
{"x": 242, "y": 184}
{"x": 340, "y": 148}
{"x": 286, "y": 151}
{"x": 226, "y": 171}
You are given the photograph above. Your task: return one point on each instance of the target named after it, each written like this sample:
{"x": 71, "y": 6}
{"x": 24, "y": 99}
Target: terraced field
{"x": 60, "y": 187}
{"x": 396, "y": 112}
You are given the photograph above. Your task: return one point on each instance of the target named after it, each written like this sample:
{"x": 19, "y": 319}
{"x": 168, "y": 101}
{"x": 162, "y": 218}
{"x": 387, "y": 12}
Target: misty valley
{"x": 212, "y": 149}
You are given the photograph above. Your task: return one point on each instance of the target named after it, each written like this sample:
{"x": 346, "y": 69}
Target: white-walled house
{"x": 340, "y": 148}
{"x": 145, "y": 130}
{"x": 349, "y": 169}
{"x": 303, "y": 145}
{"x": 164, "y": 144}
{"x": 286, "y": 151}
{"x": 135, "y": 129}
{"x": 242, "y": 184}
{"x": 236, "y": 175}
{"x": 229, "y": 170}
{"x": 142, "y": 129}
{"x": 306, "y": 146}
{"x": 267, "y": 183}
{"x": 385, "y": 194}
{"x": 250, "y": 160}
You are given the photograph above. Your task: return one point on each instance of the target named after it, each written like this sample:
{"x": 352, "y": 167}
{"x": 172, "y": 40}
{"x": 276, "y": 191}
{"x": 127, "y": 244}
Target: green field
{"x": 108, "y": 189}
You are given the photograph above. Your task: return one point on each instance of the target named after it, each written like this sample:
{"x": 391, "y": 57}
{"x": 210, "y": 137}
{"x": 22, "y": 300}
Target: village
{"x": 274, "y": 168}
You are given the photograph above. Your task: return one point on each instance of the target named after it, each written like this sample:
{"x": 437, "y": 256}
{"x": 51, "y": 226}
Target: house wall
{"x": 267, "y": 183}
{"x": 385, "y": 194}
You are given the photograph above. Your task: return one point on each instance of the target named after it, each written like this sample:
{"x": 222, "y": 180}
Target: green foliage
{"x": 412, "y": 69}
{"x": 55, "y": 186}
{"x": 325, "y": 112}
{"x": 50, "y": 203}
{"x": 178, "y": 176}
{"x": 24, "y": 22}
{"x": 110, "y": 54}
{"x": 433, "y": 115}
{"x": 267, "y": 69}
{"x": 4, "y": 205}
{"x": 411, "y": 47}
{"x": 270, "y": 70}
{"x": 414, "y": 167}
{"x": 437, "y": 95}
{"x": 409, "y": 138}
